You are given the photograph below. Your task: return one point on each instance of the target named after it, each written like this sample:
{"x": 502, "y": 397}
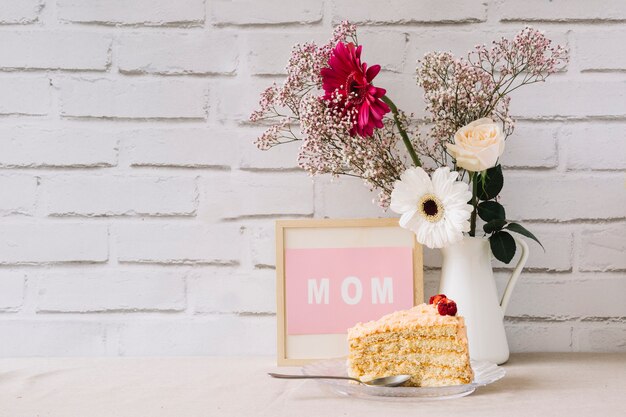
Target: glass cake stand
{"x": 485, "y": 373}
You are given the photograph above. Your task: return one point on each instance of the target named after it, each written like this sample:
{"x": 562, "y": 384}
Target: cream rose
{"x": 478, "y": 145}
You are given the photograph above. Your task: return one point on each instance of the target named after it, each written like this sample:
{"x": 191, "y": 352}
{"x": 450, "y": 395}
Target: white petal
{"x": 488, "y": 156}
{"x": 416, "y": 224}
{"x": 413, "y": 184}
{"x": 406, "y": 218}
{"x": 403, "y": 198}
{"x": 417, "y": 179}
{"x": 470, "y": 163}
{"x": 443, "y": 180}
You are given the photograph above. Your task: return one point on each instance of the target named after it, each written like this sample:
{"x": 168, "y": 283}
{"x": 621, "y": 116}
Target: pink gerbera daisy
{"x": 352, "y": 80}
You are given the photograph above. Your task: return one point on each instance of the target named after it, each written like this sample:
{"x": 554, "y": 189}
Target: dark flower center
{"x": 430, "y": 207}
{"x": 356, "y": 86}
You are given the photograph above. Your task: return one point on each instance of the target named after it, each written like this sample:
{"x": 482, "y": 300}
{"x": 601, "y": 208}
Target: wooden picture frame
{"x": 333, "y": 233}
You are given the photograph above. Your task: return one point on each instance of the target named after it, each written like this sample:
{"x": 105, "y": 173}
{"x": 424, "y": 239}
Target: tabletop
{"x": 557, "y": 384}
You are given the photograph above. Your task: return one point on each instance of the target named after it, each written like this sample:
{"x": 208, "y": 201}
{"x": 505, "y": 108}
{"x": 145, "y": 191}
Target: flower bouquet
{"x": 440, "y": 175}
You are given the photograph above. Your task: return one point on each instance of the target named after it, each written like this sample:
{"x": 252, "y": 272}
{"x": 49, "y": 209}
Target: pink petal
{"x": 372, "y": 72}
{"x": 364, "y": 115}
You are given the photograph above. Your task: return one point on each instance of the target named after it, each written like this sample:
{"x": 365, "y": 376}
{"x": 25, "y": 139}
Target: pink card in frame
{"x": 331, "y": 274}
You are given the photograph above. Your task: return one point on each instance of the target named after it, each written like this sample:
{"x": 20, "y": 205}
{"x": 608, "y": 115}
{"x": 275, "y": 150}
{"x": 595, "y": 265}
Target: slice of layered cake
{"x": 428, "y": 342}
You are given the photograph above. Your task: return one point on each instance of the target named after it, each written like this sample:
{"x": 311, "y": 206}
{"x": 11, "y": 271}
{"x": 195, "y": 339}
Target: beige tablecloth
{"x": 554, "y": 384}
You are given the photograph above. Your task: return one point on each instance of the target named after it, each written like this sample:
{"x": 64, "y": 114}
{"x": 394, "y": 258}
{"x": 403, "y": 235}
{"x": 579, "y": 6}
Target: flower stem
{"x": 405, "y": 137}
{"x": 474, "y": 180}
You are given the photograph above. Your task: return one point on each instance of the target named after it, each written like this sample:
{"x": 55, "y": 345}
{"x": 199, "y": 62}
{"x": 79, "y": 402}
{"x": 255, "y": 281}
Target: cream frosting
{"x": 418, "y": 316}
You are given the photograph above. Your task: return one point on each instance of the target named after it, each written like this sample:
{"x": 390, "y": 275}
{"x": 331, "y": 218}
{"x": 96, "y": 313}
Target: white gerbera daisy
{"x": 436, "y": 211}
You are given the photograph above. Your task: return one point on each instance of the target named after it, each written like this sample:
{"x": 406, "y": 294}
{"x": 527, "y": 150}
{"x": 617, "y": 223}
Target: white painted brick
{"x": 237, "y": 107}
{"x": 32, "y": 243}
{"x": 461, "y": 41}
{"x": 557, "y": 239}
{"x": 563, "y": 196}
{"x": 403, "y": 90}
{"x": 331, "y": 201}
{"x": 265, "y": 12}
{"x": 69, "y": 195}
{"x": 407, "y": 11}
{"x": 539, "y": 337}
{"x": 283, "y": 157}
{"x": 568, "y": 98}
{"x": 127, "y": 99}
{"x": 262, "y": 244}
{"x": 382, "y": 47}
{"x": 536, "y": 297}
{"x": 215, "y": 202}
{"x": 600, "y": 50}
{"x": 608, "y": 151}
{"x": 563, "y": 10}
{"x": 18, "y": 194}
{"x": 268, "y": 52}
{"x": 35, "y": 147}
{"x": 603, "y": 248}
{"x": 213, "y": 335}
{"x": 601, "y": 337}
{"x": 431, "y": 283}
{"x": 135, "y": 12}
{"x": 531, "y": 146}
{"x": 178, "y": 243}
{"x": 28, "y": 96}
{"x": 182, "y": 147}
{"x": 432, "y": 258}
{"x": 54, "y": 50}
{"x": 110, "y": 290}
{"x": 11, "y": 290}
{"x": 259, "y": 194}
{"x": 185, "y": 53}
{"x": 223, "y": 291}
{"x": 20, "y": 11}
{"x": 53, "y": 337}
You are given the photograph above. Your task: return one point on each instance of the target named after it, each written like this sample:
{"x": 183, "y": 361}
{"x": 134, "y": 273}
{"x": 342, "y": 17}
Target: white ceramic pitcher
{"x": 467, "y": 278}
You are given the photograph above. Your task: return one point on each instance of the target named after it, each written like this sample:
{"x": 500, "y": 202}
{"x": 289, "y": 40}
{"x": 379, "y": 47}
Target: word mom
{"x": 351, "y": 290}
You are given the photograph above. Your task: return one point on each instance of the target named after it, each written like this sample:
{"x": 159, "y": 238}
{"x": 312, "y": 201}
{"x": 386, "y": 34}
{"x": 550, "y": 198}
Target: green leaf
{"x": 491, "y": 183}
{"x": 491, "y": 210}
{"x": 502, "y": 246}
{"x": 518, "y": 228}
{"x": 494, "y": 225}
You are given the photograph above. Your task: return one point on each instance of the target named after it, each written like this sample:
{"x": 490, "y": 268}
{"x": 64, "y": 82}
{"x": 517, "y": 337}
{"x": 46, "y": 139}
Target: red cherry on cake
{"x": 446, "y": 307}
{"x": 451, "y": 308}
{"x": 436, "y": 298}
{"x": 442, "y": 308}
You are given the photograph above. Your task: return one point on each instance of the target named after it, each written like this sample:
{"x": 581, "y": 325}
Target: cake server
{"x": 386, "y": 381}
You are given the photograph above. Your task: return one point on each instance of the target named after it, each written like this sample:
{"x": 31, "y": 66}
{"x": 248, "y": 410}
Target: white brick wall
{"x": 136, "y": 215}
{"x": 24, "y": 95}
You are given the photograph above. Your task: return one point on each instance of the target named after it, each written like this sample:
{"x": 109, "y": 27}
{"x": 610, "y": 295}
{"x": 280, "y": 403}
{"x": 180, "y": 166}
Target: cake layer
{"x": 447, "y": 331}
{"x": 449, "y": 359}
{"x": 407, "y": 343}
{"x": 421, "y": 374}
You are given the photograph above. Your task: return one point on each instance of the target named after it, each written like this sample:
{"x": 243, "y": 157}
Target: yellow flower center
{"x": 430, "y": 208}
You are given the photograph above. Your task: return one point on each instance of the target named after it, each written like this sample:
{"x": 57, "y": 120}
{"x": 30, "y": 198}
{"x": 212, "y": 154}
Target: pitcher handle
{"x": 508, "y": 291}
